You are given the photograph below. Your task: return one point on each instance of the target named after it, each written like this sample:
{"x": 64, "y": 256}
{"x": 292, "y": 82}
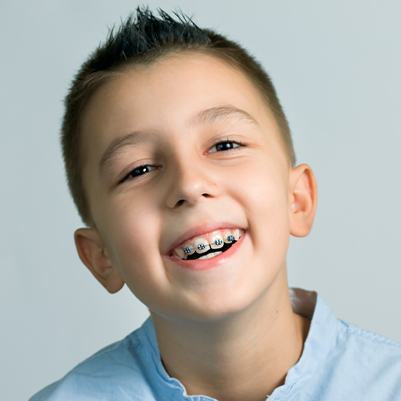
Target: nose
{"x": 191, "y": 181}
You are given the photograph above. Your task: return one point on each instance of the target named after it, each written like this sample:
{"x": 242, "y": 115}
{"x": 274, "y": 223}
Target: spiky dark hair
{"x": 145, "y": 38}
{"x": 141, "y": 39}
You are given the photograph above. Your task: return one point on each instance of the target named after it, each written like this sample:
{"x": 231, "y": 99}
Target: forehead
{"x": 165, "y": 95}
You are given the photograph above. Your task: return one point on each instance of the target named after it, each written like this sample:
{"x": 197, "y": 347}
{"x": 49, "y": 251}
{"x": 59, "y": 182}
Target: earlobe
{"x": 303, "y": 200}
{"x": 94, "y": 256}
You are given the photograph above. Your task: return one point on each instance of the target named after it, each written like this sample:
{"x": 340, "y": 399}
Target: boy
{"x": 181, "y": 164}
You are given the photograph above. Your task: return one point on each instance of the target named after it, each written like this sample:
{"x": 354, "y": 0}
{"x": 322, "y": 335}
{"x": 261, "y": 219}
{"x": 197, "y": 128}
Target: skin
{"x": 229, "y": 332}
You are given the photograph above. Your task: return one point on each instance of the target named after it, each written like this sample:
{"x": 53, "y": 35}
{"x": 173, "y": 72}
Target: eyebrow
{"x": 214, "y": 113}
{"x": 209, "y": 115}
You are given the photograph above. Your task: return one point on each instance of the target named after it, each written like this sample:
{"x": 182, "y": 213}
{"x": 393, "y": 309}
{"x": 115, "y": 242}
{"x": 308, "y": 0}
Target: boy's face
{"x": 188, "y": 182}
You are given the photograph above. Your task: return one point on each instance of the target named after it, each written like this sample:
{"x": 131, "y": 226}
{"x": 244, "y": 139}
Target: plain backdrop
{"x": 337, "y": 68}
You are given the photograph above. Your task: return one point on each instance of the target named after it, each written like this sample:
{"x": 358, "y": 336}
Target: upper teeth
{"x": 202, "y": 244}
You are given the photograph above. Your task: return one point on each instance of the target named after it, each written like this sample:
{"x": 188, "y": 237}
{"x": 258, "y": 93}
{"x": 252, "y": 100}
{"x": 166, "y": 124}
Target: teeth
{"x": 232, "y": 235}
{"x": 183, "y": 252}
{"x": 210, "y": 255}
{"x": 228, "y": 238}
{"x": 201, "y": 244}
{"x": 217, "y": 241}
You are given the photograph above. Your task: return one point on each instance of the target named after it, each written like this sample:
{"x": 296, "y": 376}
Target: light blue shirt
{"x": 339, "y": 362}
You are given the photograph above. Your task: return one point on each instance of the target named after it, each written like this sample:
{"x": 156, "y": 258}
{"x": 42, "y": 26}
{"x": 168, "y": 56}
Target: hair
{"x": 142, "y": 40}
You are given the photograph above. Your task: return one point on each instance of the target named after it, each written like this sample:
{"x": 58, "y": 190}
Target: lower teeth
{"x": 210, "y": 255}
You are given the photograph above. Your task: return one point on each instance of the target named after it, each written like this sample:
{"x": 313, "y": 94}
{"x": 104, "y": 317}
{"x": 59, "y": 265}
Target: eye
{"x": 227, "y": 145}
{"x": 138, "y": 171}
{"x": 224, "y": 146}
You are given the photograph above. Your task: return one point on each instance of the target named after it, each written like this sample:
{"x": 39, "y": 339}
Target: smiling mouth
{"x": 210, "y": 258}
{"x": 214, "y": 251}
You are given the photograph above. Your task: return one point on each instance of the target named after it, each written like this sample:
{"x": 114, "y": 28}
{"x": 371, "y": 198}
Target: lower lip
{"x": 206, "y": 264}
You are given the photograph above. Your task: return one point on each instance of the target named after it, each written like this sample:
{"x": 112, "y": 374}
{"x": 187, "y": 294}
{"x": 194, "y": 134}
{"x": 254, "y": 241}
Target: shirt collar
{"x": 319, "y": 342}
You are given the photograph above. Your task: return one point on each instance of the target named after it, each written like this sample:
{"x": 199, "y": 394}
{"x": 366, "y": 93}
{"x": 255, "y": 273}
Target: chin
{"x": 217, "y": 308}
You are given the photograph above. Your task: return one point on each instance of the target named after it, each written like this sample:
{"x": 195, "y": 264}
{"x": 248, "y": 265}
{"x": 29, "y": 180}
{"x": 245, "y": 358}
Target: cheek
{"x": 136, "y": 253}
{"x": 131, "y": 235}
{"x": 261, "y": 190}
{"x": 260, "y": 183}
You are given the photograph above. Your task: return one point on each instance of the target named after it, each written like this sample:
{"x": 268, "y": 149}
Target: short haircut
{"x": 142, "y": 40}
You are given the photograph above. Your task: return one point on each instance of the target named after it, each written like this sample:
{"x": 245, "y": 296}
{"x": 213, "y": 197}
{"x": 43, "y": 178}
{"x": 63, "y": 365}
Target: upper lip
{"x": 199, "y": 230}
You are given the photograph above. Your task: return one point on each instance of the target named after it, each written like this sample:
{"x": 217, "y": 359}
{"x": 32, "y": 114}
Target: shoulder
{"x": 359, "y": 340}
{"x": 366, "y": 363}
{"x": 359, "y": 365}
{"x": 112, "y": 373}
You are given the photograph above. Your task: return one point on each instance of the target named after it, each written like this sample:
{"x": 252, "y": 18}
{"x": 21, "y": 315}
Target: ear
{"x": 94, "y": 256}
{"x": 302, "y": 200}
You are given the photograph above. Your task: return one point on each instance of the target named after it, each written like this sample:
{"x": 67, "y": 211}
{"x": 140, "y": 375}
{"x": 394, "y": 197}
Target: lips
{"x": 223, "y": 259}
{"x": 200, "y": 230}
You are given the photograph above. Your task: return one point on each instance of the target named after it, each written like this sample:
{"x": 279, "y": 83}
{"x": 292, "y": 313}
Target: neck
{"x": 244, "y": 357}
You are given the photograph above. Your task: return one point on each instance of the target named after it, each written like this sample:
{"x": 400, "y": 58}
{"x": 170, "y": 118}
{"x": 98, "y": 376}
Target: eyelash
{"x": 128, "y": 177}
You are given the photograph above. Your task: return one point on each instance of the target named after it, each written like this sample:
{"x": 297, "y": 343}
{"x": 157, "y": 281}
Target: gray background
{"x": 336, "y": 65}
